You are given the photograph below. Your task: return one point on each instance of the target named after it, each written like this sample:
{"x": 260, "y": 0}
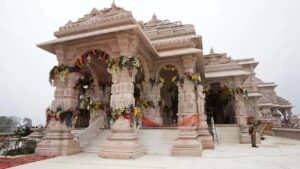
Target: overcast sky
{"x": 268, "y": 30}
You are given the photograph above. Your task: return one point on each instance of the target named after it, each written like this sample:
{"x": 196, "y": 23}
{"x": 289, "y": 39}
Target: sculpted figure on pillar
{"x": 152, "y": 115}
{"x": 204, "y": 136}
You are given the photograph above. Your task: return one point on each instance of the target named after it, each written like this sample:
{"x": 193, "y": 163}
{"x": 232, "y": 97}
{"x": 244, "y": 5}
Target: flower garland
{"x": 144, "y": 104}
{"x": 62, "y": 71}
{"x": 124, "y": 111}
{"x": 129, "y": 62}
{"x": 96, "y": 106}
{"x": 86, "y": 58}
{"x": 157, "y": 81}
{"x": 129, "y": 112}
{"x": 228, "y": 91}
{"x": 59, "y": 114}
{"x": 195, "y": 78}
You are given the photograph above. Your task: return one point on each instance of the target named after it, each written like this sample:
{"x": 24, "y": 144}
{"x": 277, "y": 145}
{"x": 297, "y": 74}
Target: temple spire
{"x": 211, "y": 50}
{"x": 113, "y": 4}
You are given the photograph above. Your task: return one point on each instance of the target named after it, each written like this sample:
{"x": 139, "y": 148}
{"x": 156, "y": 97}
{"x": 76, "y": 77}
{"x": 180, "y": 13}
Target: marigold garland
{"x": 62, "y": 71}
{"x": 156, "y": 81}
{"x": 59, "y": 114}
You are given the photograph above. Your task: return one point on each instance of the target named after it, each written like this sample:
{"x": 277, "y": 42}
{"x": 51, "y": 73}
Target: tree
{"x": 27, "y": 122}
{"x": 6, "y": 124}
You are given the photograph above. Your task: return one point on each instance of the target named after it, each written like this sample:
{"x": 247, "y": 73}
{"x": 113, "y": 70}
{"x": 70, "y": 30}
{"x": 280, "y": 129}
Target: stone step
{"x": 228, "y": 134}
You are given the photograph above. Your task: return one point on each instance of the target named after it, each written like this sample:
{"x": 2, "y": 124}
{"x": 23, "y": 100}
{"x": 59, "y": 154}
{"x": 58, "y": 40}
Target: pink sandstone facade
{"x": 163, "y": 49}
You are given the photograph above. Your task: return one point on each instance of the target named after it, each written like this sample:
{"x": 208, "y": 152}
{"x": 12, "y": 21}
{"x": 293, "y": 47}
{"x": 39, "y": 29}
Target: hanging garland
{"x": 62, "y": 71}
{"x": 156, "y": 81}
{"x": 144, "y": 104}
{"x": 195, "y": 78}
{"x": 59, "y": 114}
{"x": 228, "y": 91}
{"x": 129, "y": 62}
{"x": 129, "y": 112}
{"x": 87, "y": 58}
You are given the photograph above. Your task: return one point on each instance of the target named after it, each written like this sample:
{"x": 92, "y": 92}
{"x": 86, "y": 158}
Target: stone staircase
{"x": 93, "y": 146}
{"x": 157, "y": 141}
{"x": 228, "y": 133}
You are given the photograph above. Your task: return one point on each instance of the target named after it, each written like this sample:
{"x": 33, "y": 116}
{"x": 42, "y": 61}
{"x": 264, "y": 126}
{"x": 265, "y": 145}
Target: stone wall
{"x": 287, "y": 133}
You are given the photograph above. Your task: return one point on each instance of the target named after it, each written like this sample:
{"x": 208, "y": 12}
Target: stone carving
{"x": 153, "y": 94}
{"x": 122, "y": 141}
{"x": 204, "y": 136}
{"x": 96, "y": 19}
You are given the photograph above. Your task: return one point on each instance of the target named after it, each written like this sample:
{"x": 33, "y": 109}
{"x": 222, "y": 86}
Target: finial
{"x": 113, "y": 4}
{"x": 154, "y": 16}
{"x": 211, "y": 50}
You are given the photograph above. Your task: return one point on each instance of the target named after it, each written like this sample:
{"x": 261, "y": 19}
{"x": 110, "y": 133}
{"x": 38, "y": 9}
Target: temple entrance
{"x": 219, "y": 104}
{"x": 92, "y": 88}
{"x": 169, "y": 96}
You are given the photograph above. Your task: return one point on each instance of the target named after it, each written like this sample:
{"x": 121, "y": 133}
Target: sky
{"x": 267, "y": 30}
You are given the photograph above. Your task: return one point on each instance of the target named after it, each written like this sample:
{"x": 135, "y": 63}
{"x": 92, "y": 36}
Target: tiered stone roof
{"x": 158, "y": 29}
{"x": 97, "y": 19}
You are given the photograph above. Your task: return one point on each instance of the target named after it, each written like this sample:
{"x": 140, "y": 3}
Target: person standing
{"x": 252, "y": 132}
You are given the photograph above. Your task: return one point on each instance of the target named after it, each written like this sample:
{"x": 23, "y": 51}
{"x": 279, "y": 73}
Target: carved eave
{"x": 188, "y": 41}
{"x": 267, "y": 85}
{"x": 50, "y": 45}
{"x": 249, "y": 61}
{"x": 266, "y": 105}
{"x": 254, "y": 94}
{"x": 227, "y": 73}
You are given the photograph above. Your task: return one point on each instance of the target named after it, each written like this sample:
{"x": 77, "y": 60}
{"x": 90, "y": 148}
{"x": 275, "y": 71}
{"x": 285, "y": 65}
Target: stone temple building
{"x": 126, "y": 88}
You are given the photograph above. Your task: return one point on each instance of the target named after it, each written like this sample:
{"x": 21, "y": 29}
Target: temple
{"x": 122, "y": 83}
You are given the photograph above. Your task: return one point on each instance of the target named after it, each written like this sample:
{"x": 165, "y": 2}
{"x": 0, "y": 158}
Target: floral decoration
{"x": 87, "y": 58}
{"x": 59, "y": 114}
{"x": 62, "y": 71}
{"x": 129, "y": 62}
{"x": 157, "y": 81}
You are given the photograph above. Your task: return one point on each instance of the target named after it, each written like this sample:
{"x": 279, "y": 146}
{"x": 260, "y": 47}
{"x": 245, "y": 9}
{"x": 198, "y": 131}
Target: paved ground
{"x": 273, "y": 153}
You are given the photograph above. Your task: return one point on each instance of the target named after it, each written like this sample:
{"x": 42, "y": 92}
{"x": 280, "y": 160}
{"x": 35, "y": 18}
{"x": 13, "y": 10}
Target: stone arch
{"x": 86, "y": 49}
{"x": 144, "y": 64}
{"x": 177, "y": 66}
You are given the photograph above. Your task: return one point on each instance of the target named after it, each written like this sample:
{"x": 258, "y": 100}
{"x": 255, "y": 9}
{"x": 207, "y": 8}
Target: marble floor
{"x": 273, "y": 153}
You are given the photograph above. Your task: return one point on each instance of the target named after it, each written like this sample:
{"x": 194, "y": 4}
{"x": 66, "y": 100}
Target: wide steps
{"x": 94, "y": 145}
{"x": 157, "y": 141}
{"x": 228, "y": 133}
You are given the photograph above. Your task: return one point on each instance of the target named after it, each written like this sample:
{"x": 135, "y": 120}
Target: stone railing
{"x": 90, "y": 132}
{"x": 287, "y": 133}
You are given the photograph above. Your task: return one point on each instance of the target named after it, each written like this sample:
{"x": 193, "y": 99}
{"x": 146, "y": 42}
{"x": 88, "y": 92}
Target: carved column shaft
{"x": 152, "y": 114}
{"x": 122, "y": 141}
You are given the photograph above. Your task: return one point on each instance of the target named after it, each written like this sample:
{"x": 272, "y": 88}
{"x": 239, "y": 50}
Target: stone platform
{"x": 273, "y": 153}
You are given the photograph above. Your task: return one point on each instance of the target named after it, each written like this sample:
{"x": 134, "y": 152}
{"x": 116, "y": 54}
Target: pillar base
{"x": 204, "y": 136}
{"x": 186, "y": 143}
{"x": 37, "y": 134}
{"x": 122, "y": 142}
{"x": 57, "y": 141}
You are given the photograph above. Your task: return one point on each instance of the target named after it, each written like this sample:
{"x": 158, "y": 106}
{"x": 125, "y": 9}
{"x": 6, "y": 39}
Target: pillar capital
{"x": 189, "y": 62}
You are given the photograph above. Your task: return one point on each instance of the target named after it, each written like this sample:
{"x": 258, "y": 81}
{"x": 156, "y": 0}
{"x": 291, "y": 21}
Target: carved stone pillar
{"x": 241, "y": 118}
{"x": 204, "y": 136}
{"x": 58, "y": 139}
{"x": 187, "y": 143}
{"x": 152, "y": 114}
{"x": 122, "y": 142}
{"x": 187, "y": 107}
